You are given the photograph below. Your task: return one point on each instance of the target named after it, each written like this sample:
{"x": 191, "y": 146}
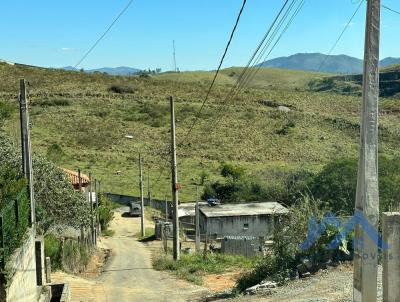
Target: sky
{"x": 52, "y": 33}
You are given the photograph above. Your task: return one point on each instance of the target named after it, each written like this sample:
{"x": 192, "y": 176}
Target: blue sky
{"x": 57, "y": 33}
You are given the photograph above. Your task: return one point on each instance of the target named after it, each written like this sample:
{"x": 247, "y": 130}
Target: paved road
{"x": 128, "y": 275}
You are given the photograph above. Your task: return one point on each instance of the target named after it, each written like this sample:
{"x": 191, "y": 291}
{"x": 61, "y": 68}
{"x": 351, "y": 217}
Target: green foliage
{"x": 192, "y": 267}
{"x": 14, "y": 210}
{"x": 55, "y": 153}
{"x": 336, "y": 184}
{"x": 232, "y": 171}
{"x": 122, "y": 88}
{"x": 57, "y": 203}
{"x": 106, "y": 214}
{"x": 6, "y": 111}
{"x": 52, "y": 249}
{"x": 53, "y": 102}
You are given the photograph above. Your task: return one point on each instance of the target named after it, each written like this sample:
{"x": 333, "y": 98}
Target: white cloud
{"x": 67, "y": 49}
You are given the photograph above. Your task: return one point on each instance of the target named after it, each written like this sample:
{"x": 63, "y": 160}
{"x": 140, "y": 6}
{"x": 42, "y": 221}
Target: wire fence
{"x": 14, "y": 221}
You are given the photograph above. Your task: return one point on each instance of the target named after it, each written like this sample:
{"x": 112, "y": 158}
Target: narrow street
{"x": 128, "y": 275}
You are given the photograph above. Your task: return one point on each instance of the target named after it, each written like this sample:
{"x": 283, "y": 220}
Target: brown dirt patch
{"x": 96, "y": 263}
{"x": 220, "y": 282}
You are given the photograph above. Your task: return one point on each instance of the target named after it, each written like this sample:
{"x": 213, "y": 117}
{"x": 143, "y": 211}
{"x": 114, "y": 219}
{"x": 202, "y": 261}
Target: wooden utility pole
{"x": 197, "y": 221}
{"x": 26, "y": 146}
{"x": 175, "y": 185}
{"x": 367, "y": 196}
{"x": 143, "y": 232}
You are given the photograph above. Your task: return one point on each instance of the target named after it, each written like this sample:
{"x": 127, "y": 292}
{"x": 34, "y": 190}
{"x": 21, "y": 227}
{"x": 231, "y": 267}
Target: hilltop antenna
{"x": 173, "y": 48}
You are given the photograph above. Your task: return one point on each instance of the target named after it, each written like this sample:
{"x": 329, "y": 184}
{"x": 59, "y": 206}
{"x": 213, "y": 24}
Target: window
{"x": 246, "y": 226}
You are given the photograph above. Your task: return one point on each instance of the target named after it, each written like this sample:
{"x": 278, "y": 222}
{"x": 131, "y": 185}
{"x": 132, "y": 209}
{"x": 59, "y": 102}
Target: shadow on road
{"x": 128, "y": 215}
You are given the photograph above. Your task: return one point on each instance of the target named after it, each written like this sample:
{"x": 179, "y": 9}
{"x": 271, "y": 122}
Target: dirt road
{"x": 128, "y": 275}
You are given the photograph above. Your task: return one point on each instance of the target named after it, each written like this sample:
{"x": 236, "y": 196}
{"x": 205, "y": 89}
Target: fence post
{"x": 48, "y": 270}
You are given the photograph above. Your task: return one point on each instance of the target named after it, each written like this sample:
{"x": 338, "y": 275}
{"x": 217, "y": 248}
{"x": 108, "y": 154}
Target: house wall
{"x": 257, "y": 226}
{"x": 22, "y": 286}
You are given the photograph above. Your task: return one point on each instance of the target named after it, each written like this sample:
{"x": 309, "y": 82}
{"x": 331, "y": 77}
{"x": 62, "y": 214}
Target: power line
{"x": 218, "y": 69}
{"x": 340, "y": 36}
{"x": 249, "y": 72}
{"x": 390, "y": 9}
{"x": 104, "y": 34}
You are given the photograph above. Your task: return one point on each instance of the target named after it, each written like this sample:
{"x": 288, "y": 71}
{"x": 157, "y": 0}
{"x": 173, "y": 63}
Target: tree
{"x": 57, "y": 203}
{"x": 336, "y": 184}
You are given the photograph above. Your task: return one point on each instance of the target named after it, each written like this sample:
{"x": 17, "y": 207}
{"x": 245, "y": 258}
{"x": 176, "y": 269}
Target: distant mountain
{"x": 389, "y": 61}
{"x": 340, "y": 64}
{"x": 316, "y": 61}
{"x": 122, "y": 70}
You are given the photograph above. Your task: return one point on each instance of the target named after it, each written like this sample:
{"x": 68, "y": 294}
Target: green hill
{"x": 389, "y": 83}
{"x": 80, "y": 120}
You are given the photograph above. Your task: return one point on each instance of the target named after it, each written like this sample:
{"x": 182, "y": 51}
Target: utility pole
{"x": 148, "y": 187}
{"x": 80, "y": 190}
{"x": 26, "y": 146}
{"x": 91, "y": 208}
{"x": 173, "y": 47}
{"x": 166, "y": 209}
{"x": 367, "y": 196}
{"x": 197, "y": 221}
{"x": 143, "y": 232}
{"x": 175, "y": 185}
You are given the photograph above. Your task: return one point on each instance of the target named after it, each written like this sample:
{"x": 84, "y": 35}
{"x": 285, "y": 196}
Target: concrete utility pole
{"x": 91, "y": 208}
{"x": 26, "y": 146}
{"x": 367, "y": 197}
{"x": 391, "y": 256}
{"x": 197, "y": 221}
{"x": 143, "y": 232}
{"x": 166, "y": 209}
{"x": 175, "y": 185}
{"x": 173, "y": 47}
{"x": 148, "y": 187}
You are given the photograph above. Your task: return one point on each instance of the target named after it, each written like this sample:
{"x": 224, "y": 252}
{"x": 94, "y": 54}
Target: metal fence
{"x": 14, "y": 221}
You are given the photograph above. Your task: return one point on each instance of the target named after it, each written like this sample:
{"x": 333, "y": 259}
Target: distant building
{"x": 74, "y": 179}
{"x": 246, "y": 219}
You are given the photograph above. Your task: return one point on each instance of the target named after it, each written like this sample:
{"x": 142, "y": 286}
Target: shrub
{"x": 54, "y": 102}
{"x": 105, "y": 212}
{"x": 234, "y": 172}
{"x": 337, "y": 182}
{"x": 55, "y": 153}
{"x": 122, "y": 89}
{"x": 6, "y": 111}
{"x": 52, "y": 249}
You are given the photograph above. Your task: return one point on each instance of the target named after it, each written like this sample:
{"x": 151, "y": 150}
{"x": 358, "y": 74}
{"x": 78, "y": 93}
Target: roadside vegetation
{"x": 192, "y": 267}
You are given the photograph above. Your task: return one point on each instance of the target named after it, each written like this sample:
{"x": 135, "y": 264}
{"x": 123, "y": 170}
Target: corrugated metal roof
{"x": 244, "y": 209}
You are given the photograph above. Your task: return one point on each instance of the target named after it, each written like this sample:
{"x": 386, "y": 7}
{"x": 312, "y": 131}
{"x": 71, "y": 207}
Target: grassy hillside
{"x": 78, "y": 120}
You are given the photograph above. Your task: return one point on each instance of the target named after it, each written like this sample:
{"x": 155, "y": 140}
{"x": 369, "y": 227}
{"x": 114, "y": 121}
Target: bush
{"x": 106, "y": 214}
{"x": 336, "y": 184}
{"x": 55, "y": 153}
{"x": 234, "y": 172}
{"x": 52, "y": 249}
{"x": 51, "y": 103}
{"x": 122, "y": 89}
{"x": 6, "y": 111}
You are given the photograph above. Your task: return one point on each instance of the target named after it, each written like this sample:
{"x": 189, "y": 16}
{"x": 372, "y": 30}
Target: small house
{"x": 255, "y": 219}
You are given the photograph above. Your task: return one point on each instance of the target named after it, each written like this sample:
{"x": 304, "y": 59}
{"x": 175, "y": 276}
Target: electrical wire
{"x": 218, "y": 69}
{"x": 104, "y": 34}
{"x": 390, "y": 9}
{"x": 340, "y": 36}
